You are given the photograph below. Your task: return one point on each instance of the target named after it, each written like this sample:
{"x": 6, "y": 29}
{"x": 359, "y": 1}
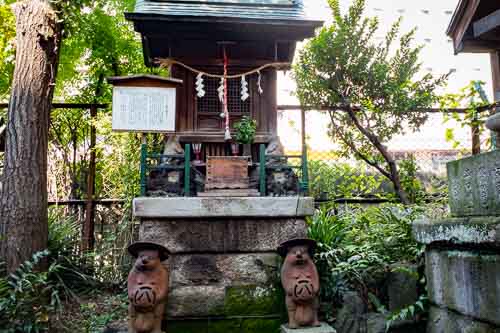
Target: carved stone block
{"x": 474, "y": 185}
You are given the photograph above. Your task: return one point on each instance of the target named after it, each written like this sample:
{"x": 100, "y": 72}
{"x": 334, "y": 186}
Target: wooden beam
{"x": 462, "y": 20}
{"x": 487, "y": 24}
{"x": 67, "y": 105}
{"x": 426, "y": 110}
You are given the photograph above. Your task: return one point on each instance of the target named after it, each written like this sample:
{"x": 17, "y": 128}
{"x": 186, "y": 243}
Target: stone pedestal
{"x": 324, "y": 328}
{"x": 463, "y": 251}
{"x": 224, "y": 268}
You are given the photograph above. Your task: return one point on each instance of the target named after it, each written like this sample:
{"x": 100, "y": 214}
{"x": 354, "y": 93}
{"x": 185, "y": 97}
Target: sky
{"x": 431, "y": 18}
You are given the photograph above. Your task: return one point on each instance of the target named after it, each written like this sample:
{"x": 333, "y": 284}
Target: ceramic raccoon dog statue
{"x": 147, "y": 288}
{"x": 300, "y": 280}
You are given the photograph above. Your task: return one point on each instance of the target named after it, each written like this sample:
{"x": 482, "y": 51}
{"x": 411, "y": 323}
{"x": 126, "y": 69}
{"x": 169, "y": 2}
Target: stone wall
{"x": 463, "y": 251}
{"x": 224, "y": 269}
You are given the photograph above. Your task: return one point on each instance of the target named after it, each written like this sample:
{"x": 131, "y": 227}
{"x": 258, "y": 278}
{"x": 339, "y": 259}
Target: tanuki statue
{"x": 300, "y": 280}
{"x": 147, "y": 287}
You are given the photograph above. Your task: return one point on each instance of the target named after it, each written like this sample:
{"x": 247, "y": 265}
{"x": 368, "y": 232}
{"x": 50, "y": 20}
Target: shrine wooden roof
{"x": 475, "y": 26}
{"x": 236, "y": 9}
{"x": 186, "y": 29}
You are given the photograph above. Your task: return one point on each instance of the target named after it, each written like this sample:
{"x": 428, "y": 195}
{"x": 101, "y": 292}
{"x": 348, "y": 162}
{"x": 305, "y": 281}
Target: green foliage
{"x": 74, "y": 274}
{"x": 421, "y": 306}
{"x": 471, "y": 97}
{"x": 410, "y": 182}
{"x": 28, "y": 297}
{"x": 7, "y": 34}
{"x": 95, "y": 316}
{"x": 358, "y": 245}
{"x": 327, "y": 229}
{"x": 245, "y": 130}
{"x": 377, "y": 84}
{"x": 341, "y": 180}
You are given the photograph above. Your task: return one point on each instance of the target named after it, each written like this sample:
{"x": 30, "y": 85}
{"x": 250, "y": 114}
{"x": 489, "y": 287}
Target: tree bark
{"x": 23, "y": 198}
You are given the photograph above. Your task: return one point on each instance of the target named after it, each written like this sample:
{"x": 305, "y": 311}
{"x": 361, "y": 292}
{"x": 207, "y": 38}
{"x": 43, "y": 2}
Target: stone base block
{"x": 324, "y": 328}
{"x": 466, "y": 282}
{"x": 220, "y": 301}
{"x": 222, "y": 235}
{"x": 224, "y": 269}
{"x": 444, "y": 321}
{"x": 236, "y": 325}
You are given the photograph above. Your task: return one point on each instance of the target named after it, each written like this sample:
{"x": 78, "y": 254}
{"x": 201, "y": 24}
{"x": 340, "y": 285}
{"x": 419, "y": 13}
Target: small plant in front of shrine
{"x": 245, "y": 130}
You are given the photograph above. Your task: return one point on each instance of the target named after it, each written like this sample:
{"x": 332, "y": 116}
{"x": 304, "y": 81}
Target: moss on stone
{"x": 252, "y": 300}
{"x": 224, "y": 326}
{"x": 260, "y": 325}
{"x": 187, "y": 326}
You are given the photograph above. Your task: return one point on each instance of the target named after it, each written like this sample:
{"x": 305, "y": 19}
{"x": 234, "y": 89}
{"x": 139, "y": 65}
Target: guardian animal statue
{"x": 147, "y": 287}
{"x": 300, "y": 280}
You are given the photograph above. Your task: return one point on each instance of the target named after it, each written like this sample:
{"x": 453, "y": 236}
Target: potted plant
{"x": 245, "y": 133}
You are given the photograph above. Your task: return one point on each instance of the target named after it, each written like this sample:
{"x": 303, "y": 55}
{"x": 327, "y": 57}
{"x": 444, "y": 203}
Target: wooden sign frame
{"x": 144, "y": 104}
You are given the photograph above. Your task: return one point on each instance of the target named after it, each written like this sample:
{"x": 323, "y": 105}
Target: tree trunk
{"x": 23, "y": 199}
{"x": 396, "y": 181}
{"x": 393, "y": 169}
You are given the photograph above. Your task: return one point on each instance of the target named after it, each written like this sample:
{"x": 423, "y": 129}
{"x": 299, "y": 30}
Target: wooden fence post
{"x": 88, "y": 227}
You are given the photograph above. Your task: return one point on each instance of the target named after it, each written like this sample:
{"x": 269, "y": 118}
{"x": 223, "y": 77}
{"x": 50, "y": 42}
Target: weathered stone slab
{"x": 217, "y": 301}
{"x": 474, "y": 185}
{"x": 443, "y": 321}
{"x": 225, "y": 269}
{"x": 196, "y": 207}
{"x": 324, "y": 328}
{"x": 481, "y": 230}
{"x": 402, "y": 289}
{"x": 222, "y": 235}
{"x": 466, "y": 282}
{"x": 196, "y": 301}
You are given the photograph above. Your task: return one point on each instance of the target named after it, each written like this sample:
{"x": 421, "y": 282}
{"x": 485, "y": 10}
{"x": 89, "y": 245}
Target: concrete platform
{"x": 324, "y": 328}
{"x": 479, "y": 230}
{"x": 195, "y": 207}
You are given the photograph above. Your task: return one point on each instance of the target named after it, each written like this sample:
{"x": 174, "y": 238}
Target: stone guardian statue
{"x": 147, "y": 287}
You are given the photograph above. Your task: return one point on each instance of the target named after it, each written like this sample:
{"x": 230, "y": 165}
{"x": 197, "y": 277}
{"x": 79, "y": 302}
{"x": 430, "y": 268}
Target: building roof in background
{"x": 475, "y": 26}
{"x": 237, "y": 9}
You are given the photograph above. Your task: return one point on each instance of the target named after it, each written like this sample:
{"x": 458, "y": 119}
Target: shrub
{"x": 28, "y": 297}
{"x": 344, "y": 181}
{"x": 358, "y": 245}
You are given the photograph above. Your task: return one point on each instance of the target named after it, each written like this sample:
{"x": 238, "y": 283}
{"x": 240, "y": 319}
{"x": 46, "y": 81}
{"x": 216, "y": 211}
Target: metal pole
{"x": 305, "y": 172}
{"x": 144, "y": 163}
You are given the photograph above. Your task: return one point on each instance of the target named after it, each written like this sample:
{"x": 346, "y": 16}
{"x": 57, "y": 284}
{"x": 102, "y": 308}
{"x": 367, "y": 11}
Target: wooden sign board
{"x": 144, "y": 109}
{"x": 227, "y": 173}
{"x": 144, "y": 104}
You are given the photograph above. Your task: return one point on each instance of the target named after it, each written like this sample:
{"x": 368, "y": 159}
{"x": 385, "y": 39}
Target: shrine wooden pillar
{"x": 495, "y": 71}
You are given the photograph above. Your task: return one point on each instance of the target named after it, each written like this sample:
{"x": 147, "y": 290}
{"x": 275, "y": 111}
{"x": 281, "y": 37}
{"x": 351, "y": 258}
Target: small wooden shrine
{"x": 227, "y": 53}
{"x": 217, "y": 213}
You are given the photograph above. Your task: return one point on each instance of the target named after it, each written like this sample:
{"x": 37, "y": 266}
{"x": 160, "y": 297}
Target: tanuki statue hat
{"x": 136, "y": 247}
{"x": 310, "y": 243}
